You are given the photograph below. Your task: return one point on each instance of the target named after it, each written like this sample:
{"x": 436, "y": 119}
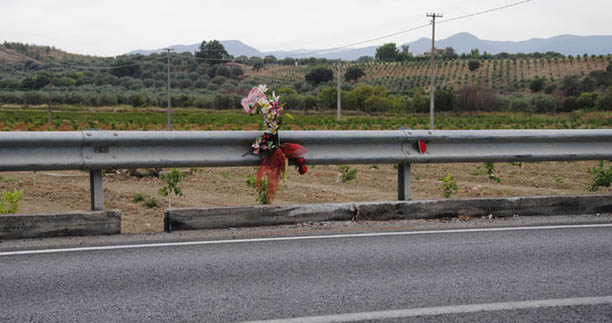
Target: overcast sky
{"x": 114, "y": 27}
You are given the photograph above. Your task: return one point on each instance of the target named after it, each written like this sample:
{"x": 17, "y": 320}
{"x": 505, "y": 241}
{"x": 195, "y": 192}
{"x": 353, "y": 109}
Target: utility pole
{"x": 168, "y": 87}
{"x": 339, "y": 111}
{"x": 433, "y": 54}
{"x": 49, "y": 90}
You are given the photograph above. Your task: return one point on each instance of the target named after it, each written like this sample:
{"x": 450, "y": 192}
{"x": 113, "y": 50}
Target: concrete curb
{"x": 18, "y": 226}
{"x": 224, "y": 217}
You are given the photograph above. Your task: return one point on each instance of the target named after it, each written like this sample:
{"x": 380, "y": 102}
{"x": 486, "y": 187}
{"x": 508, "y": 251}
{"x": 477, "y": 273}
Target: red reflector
{"x": 422, "y": 147}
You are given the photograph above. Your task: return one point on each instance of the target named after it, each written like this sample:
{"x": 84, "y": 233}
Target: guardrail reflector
{"x": 422, "y": 147}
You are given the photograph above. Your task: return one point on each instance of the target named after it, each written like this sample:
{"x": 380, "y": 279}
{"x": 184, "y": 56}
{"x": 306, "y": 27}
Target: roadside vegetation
{"x": 9, "y": 201}
{"x": 449, "y": 185}
{"x": 171, "y": 181}
{"x": 393, "y": 81}
{"x": 347, "y": 174}
{"x": 602, "y": 177}
{"x": 262, "y": 191}
{"x": 71, "y": 118}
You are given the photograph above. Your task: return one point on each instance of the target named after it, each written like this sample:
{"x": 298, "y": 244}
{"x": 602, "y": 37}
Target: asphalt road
{"x": 534, "y": 275}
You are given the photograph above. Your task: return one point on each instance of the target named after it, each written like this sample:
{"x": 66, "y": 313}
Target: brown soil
{"x": 69, "y": 190}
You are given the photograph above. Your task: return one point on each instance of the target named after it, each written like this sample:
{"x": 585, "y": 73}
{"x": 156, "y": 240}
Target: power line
{"x": 218, "y": 59}
{"x": 413, "y": 29}
{"x": 432, "y": 89}
{"x": 149, "y": 60}
{"x": 361, "y": 42}
{"x": 14, "y": 52}
{"x": 168, "y": 88}
{"x": 485, "y": 11}
{"x": 106, "y": 67}
{"x": 300, "y": 54}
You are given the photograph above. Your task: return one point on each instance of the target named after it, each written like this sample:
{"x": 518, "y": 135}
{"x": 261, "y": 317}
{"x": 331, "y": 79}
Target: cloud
{"x": 114, "y": 27}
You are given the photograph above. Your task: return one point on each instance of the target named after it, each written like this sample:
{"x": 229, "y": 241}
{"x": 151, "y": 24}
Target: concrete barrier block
{"x": 248, "y": 216}
{"x": 61, "y": 224}
{"x": 498, "y": 207}
{"x": 225, "y": 217}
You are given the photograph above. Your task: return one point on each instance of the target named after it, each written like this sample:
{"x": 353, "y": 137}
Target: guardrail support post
{"x": 403, "y": 181}
{"x": 97, "y": 190}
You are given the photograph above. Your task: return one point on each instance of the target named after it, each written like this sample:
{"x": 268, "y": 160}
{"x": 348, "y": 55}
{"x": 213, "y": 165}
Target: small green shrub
{"x": 9, "y": 203}
{"x": 604, "y": 102}
{"x": 491, "y": 172}
{"x": 138, "y": 197}
{"x": 542, "y": 103}
{"x": 347, "y": 175}
{"x": 262, "y": 192}
{"x": 151, "y": 203}
{"x": 473, "y": 65}
{"x": 587, "y": 100}
{"x": 8, "y": 179}
{"x": 449, "y": 185}
{"x": 171, "y": 182}
{"x": 569, "y": 104}
{"x": 601, "y": 177}
{"x": 520, "y": 104}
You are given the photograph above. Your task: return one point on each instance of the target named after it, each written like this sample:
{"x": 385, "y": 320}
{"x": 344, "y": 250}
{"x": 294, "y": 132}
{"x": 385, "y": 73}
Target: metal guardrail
{"x": 97, "y": 150}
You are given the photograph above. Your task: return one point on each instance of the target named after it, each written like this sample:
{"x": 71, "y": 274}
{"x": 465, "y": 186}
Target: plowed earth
{"x": 47, "y": 192}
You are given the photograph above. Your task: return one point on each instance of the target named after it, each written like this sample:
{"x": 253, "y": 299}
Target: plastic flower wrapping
{"x": 277, "y": 155}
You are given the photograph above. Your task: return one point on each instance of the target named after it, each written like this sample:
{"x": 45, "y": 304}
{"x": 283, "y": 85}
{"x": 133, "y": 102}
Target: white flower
{"x": 263, "y": 88}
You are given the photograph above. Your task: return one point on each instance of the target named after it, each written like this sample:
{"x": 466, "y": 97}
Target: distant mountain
{"x": 565, "y": 44}
{"x": 461, "y": 42}
{"x": 233, "y": 47}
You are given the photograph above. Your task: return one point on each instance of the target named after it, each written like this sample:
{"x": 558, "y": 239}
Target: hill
{"x": 18, "y": 52}
{"x": 140, "y": 80}
{"x": 504, "y": 75}
{"x": 564, "y": 44}
{"x": 233, "y": 47}
{"x": 461, "y": 42}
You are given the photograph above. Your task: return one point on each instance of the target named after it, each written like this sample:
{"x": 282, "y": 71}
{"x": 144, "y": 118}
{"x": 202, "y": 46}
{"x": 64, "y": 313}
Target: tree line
{"x": 211, "y": 78}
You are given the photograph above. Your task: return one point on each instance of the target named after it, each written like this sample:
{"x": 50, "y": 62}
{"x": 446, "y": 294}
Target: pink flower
{"x": 257, "y": 93}
{"x": 246, "y": 104}
{"x": 257, "y": 96}
{"x": 276, "y": 107}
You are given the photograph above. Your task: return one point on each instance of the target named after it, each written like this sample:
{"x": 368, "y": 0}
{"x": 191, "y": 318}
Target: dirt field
{"x": 69, "y": 191}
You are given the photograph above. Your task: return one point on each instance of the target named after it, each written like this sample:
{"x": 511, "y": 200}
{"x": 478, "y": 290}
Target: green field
{"x": 69, "y": 119}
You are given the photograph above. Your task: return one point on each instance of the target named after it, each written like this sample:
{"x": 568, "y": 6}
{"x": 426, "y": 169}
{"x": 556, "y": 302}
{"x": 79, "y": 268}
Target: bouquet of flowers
{"x": 277, "y": 155}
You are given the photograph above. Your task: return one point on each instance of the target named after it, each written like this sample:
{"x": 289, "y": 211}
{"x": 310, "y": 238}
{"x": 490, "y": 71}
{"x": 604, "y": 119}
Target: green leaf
{"x": 285, "y": 172}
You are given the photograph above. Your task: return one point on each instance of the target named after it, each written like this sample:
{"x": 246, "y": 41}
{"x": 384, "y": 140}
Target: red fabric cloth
{"x": 293, "y": 150}
{"x": 274, "y": 166}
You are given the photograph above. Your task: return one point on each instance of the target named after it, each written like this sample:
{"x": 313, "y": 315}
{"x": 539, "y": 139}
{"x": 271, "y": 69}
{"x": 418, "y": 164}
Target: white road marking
{"x": 441, "y": 310}
{"x": 331, "y": 236}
